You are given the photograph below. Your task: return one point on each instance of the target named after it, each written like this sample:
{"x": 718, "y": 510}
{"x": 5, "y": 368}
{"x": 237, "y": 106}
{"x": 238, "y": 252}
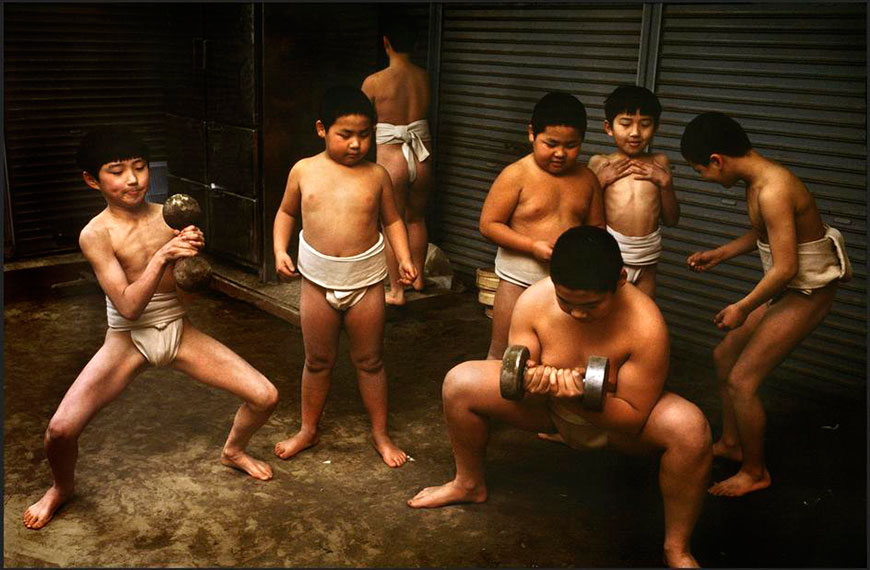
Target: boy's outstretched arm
{"x": 394, "y": 227}
{"x": 130, "y": 299}
{"x": 704, "y": 260}
{"x": 285, "y": 223}
{"x": 499, "y": 206}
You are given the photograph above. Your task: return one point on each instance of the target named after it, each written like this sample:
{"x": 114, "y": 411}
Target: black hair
{"x": 713, "y": 132}
{"x": 632, "y": 99}
{"x": 556, "y": 109}
{"x": 109, "y": 144}
{"x": 401, "y": 29}
{"x": 586, "y": 258}
{"x": 343, "y": 100}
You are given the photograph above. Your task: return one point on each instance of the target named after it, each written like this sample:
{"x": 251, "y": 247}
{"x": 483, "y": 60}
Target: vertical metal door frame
{"x": 650, "y": 35}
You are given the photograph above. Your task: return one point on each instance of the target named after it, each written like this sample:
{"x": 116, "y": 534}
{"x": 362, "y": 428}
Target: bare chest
{"x": 556, "y": 199}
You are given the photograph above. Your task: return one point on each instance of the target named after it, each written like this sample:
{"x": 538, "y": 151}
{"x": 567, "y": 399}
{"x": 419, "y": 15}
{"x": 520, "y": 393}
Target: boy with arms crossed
{"x": 585, "y": 308}
{"x": 132, "y": 251}
{"x": 400, "y": 95}
{"x": 534, "y": 200}
{"x": 803, "y": 259}
{"x": 340, "y": 196}
{"x": 636, "y": 183}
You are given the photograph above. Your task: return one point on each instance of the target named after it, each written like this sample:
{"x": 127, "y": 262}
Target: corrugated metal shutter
{"x": 69, "y": 68}
{"x": 496, "y": 62}
{"x": 794, "y": 75}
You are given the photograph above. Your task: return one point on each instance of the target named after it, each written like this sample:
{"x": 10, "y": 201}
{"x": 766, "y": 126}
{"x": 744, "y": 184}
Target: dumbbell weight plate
{"x": 180, "y": 211}
{"x": 513, "y": 367}
{"x": 192, "y": 273}
{"x": 595, "y": 383}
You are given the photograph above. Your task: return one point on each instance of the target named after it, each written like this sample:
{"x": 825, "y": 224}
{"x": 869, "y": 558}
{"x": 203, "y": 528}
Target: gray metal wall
{"x": 794, "y": 75}
{"x": 496, "y": 62}
{"x": 67, "y": 69}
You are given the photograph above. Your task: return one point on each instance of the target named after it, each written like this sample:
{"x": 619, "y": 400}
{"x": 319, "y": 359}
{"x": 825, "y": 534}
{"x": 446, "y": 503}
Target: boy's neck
{"x": 750, "y": 168}
{"x": 399, "y": 59}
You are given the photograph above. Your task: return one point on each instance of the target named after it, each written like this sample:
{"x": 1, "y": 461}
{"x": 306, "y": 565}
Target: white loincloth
{"x": 345, "y": 279}
{"x": 819, "y": 262}
{"x": 638, "y": 251}
{"x": 519, "y": 268}
{"x": 157, "y": 332}
{"x": 411, "y": 137}
{"x": 576, "y": 431}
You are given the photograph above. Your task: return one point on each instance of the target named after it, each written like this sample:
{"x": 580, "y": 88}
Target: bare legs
{"x": 411, "y": 203}
{"x": 676, "y": 428}
{"x": 321, "y": 325}
{"x": 109, "y": 372}
{"x": 210, "y": 362}
{"x": 471, "y": 398}
{"x": 743, "y": 359}
{"x": 103, "y": 378}
{"x": 505, "y": 298}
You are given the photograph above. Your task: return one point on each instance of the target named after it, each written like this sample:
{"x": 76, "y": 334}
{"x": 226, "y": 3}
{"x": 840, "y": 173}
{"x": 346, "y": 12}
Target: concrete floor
{"x": 151, "y": 491}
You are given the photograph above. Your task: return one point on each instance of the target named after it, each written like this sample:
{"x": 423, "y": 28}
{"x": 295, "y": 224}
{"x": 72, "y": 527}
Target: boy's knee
{"x": 740, "y": 387}
{"x": 369, "y": 363}
{"x": 267, "y": 398}
{"x": 458, "y": 381}
{"x": 319, "y": 363}
{"x": 60, "y": 430}
{"x": 688, "y": 429}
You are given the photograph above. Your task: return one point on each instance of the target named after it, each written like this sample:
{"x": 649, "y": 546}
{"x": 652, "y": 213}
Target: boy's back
{"x": 400, "y": 94}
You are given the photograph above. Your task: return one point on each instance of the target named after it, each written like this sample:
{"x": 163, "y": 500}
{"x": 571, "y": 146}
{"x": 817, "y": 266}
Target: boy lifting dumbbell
{"x": 133, "y": 252}
{"x": 586, "y": 308}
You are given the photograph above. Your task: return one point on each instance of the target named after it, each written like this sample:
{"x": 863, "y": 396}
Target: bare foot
{"x": 447, "y": 494}
{"x": 39, "y": 513}
{"x": 244, "y": 462}
{"x": 287, "y": 448}
{"x": 418, "y": 283}
{"x": 680, "y": 559}
{"x": 732, "y": 452}
{"x": 554, "y": 437}
{"x": 740, "y": 484}
{"x": 396, "y": 297}
{"x": 390, "y": 453}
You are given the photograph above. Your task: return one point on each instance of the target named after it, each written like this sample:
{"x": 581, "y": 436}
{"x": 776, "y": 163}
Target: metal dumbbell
{"x": 594, "y": 385}
{"x": 191, "y": 273}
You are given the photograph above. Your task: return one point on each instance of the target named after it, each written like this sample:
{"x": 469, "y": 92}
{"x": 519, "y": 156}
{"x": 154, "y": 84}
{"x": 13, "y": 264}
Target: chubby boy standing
{"x": 637, "y": 184}
{"x": 804, "y": 261}
{"x": 585, "y": 308}
{"x": 132, "y": 252}
{"x": 534, "y": 200}
{"x": 340, "y": 196}
{"x": 400, "y": 95}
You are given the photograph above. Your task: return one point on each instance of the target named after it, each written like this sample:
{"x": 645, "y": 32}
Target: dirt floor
{"x": 151, "y": 491}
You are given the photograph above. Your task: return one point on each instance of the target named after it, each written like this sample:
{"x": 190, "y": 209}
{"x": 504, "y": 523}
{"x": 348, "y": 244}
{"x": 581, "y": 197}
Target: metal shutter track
{"x": 794, "y": 76}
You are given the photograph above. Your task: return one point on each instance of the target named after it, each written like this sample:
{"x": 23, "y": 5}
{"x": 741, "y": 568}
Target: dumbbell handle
{"x": 579, "y": 382}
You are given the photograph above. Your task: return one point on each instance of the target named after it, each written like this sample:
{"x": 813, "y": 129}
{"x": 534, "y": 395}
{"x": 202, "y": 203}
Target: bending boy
{"x": 340, "y": 196}
{"x": 585, "y": 308}
{"x": 132, "y": 251}
{"x": 400, "y": 95}
{"x": 637, "y": 183}
{"x": 803, "y": 259}
{"x": 534, "y": 200}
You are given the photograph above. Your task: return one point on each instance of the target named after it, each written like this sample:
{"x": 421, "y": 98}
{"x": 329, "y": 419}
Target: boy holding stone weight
{"x": 132, "y": 251}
